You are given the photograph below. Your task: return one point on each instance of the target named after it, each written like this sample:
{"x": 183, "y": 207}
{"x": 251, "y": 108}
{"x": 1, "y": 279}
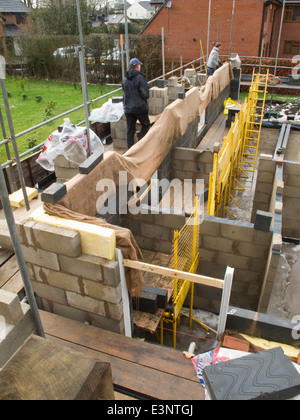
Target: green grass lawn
{"x": 29, "y": 107}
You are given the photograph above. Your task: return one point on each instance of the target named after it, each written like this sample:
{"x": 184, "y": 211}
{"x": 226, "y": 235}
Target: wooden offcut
{"x": 42, "y": 370}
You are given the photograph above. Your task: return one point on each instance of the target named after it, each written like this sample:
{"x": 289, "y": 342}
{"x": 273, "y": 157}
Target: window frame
{"x": 292, "y": 44}
{"x": 291, "y": 9}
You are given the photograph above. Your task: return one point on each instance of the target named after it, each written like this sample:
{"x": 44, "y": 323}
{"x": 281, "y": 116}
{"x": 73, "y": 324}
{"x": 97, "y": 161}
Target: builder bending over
{"x": 213, "y": 61}
{"x": 136, "y": 93}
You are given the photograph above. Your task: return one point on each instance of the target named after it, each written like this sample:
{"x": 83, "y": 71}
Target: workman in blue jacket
{"x": 136, "y": 93}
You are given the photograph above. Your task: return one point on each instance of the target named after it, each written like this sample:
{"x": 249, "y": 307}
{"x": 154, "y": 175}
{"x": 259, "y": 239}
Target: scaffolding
{"x": 238, "y": 155}
{"x": 185, "y": 257}
{"x": 254, "y": 119}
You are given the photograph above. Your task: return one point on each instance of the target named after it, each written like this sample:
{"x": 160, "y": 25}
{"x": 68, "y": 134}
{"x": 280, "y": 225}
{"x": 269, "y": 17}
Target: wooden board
{"x": 146, "y": 369}
{"x": 8, "y": 270}
{"x": 14, "y": 284}
{"x": 5, "y": 255}
{"x": 41, "y": 370}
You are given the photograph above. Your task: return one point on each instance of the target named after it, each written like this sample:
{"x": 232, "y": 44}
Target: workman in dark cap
{"x": 136, "y": 93}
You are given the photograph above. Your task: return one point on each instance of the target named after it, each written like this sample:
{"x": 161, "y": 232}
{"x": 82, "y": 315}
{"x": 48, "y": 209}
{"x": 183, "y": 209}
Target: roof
{"x": 115, "y": 18}
{"x": 146, "y": 5}
{"x": 162, "y": 5}
{"x": 13, "y": 6}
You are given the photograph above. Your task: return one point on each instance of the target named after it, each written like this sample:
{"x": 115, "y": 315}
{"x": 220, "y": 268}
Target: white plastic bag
{"x": 109, "y": 112}
{"x": 71, "y": 142}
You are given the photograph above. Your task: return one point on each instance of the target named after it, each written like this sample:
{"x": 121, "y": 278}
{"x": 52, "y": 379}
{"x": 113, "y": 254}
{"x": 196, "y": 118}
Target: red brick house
{"x": 244, "y": 29}
{"x": 14, "y": 19}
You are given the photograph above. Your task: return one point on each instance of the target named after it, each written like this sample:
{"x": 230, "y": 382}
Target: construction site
{"x": 168, "y": 271}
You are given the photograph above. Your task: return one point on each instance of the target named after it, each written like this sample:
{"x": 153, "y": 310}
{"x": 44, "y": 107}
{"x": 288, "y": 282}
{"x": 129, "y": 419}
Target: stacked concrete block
{"x": 190, "y": 164}
{"x": 201, "y": 79}
{"x": 16, "y": 324}
{"x": 67, "y": 281}
{"x": 174, "y": 88}
{"x": 158, "y": 100}
{"x": 191, "y": 75}
{"x": 65, "y": 169}
{"x": 118, "y": 132}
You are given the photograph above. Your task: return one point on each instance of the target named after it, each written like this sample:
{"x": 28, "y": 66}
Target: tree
{"x": 60, "y": 17}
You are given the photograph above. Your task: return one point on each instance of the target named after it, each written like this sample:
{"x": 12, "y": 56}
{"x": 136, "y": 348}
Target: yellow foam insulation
{"x": 95, "y": 240}
{"x": 17, "y": 198}
{"x": 290, "y": 351}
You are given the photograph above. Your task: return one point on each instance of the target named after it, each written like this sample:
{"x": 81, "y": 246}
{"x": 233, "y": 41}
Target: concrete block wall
{"x": 291, "y": 193}
{"x": 291, "y": 200}
{"x": 154, "y": 232}
{"x": 238, "y": 245}
{"x": 222, "y": 243}
{"x": 68, "y": 282}
{"x": 264, "y": 184}
{"x": 191, "y": 164}
{"x": 188, "y": 140}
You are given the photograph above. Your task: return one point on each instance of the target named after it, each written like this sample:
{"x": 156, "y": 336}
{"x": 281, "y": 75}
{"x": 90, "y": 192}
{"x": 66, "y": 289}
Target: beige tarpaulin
{"x": 140, "y": 161}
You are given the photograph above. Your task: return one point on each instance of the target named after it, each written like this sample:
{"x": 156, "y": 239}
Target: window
{"x": 292, "y": 47}
{"x": 21, "y": 18}
{"x": 292, "y": 14}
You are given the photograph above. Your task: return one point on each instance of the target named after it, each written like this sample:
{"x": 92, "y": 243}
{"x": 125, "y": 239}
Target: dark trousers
{"x": 210, "y": 71}
{"x": 143, "y": 118}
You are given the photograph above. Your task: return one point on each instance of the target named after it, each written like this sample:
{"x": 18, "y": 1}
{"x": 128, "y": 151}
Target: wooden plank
{"x": 146, "y": 321}
{"x": 207, "y": 281}
{"x": 14, "y": 284}
{"x": 9, "y": 269}
{"x": 141, "y": 380}
{"x": 157, "y": 357}
{"x": 5, "y": 255}
{"x": 42, "y": 371}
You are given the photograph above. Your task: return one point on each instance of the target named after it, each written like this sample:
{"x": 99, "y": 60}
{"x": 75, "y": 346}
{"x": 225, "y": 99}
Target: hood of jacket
{"x": 132, "y": 73}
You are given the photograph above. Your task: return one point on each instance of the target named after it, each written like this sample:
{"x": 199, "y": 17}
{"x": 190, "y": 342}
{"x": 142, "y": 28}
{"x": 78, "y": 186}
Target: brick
{"x": 45, "y": 291}
{"x": 65, "y": 173}
{"x": 68, "y": 312}
{"x": 236, "y": 231}
{"x": 109, "y": 324}
{"x": 57, "y": 279}
{"x": 111, "y": 273}
{"x": 86, "y": 303}
{"x": 220, "y": 244}
{"x": 162, "y": 295}
{"x": 235, "y": 343}
{"x": 253, "y": 251}
{"x": 263, "y": 221}
{"x": 10, "y": 307}
{"x": 87, "y": 266}
{"x": 62, "y": 241}
{"x": 54, "y": 193}
{"x": 41, "y": 257}
{"x": 146, "y": 303}
{"x": 99, "y": 291}
{"x": 95, "y": 240}
{"x": 114, "y": 311}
